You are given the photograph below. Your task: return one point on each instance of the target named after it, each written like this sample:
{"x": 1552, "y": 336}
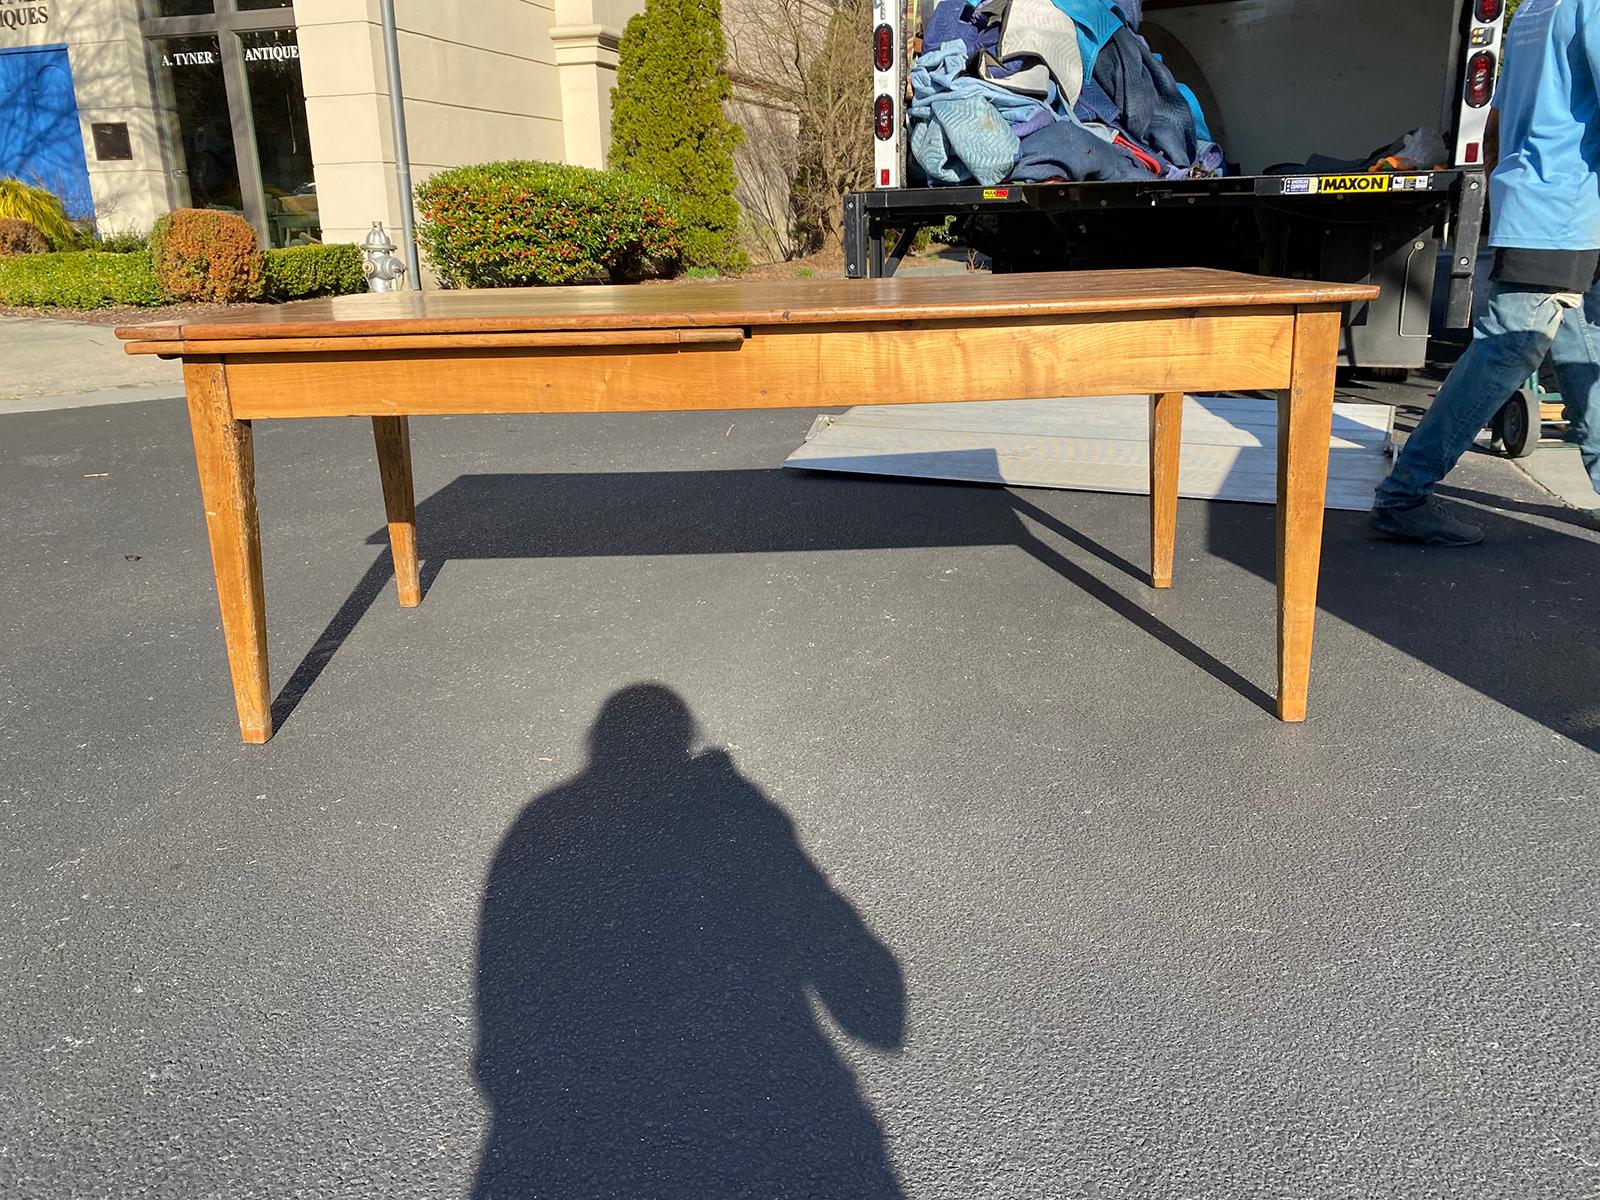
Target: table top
{"x": 770, "y": 302}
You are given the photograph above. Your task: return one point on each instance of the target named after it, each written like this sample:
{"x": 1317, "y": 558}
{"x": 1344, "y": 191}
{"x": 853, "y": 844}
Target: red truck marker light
{"x": 883, "y": 118}
{"x": 883, "y": 46}
{"x": 1480, "y": 79}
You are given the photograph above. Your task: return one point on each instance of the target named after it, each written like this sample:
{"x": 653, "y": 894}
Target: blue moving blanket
{"x": 961, "y": 125}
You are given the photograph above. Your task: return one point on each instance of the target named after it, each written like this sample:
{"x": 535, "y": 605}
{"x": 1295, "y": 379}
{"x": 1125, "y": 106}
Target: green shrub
{"x": 667, "y": 121}
{"x": 21, "y": 237}
{"x": 78, "y": 279}
{"x": 299, "y": 272}
{"x": 200, "y": 254}
{"x": 38, "y": 207}
{"x": 124, "y": 241}
{"x": 515, "y": 224}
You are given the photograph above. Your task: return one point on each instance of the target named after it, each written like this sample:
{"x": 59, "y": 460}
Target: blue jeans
{"x": 1517, "y": 330}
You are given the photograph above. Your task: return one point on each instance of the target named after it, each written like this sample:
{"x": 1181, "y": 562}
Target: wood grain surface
{"x": 564, "y": 338}
{"x": 393, "y": 438}
{"x": 225, "y": 455}
{"x": 765, "y": 302}
{"x": 1166, "y": 445}
{"x": 1305, "y": 420}
{"x": 801, "y": 367}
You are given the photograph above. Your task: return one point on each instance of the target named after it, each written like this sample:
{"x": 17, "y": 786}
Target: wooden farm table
{"x": 778, "y": 344}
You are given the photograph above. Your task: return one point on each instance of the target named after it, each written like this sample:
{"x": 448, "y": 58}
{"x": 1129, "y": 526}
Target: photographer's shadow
{"x": 655, "y": 952}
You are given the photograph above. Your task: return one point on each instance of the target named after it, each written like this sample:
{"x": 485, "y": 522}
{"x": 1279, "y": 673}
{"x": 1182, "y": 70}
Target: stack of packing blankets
{"x": 1038, "y": 90}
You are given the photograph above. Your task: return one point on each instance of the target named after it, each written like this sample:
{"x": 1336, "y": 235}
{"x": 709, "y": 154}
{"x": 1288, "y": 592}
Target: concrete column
{"x": 341, "y": 68}
{"x": 480, "y": 80}
{"x": 585, "y": 35}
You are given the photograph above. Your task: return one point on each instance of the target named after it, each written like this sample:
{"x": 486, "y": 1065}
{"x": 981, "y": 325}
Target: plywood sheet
{"x": 1101, "y": 443}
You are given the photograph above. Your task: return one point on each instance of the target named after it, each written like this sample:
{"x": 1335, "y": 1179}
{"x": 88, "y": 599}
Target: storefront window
{"x": 194, "y": 103}
{"x": 234, "y": 112}
{"x": 283, "y": 145}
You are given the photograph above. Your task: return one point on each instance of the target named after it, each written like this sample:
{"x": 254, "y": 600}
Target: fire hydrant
{"x": 384, "y": 271}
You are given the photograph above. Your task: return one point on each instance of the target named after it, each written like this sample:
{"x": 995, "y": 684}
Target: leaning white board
{"x": 1100, "y": 443}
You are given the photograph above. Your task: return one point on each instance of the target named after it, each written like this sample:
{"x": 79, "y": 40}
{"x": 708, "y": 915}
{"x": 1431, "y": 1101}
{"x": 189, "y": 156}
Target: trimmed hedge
{"x": 516, "y": 224}
{"x": 95, "y": 278}
{"x": 125, "y": 241}
{"x": 300, "y": 272}
{"x": 200, "y": 254}
{"x": 78, "y": 279}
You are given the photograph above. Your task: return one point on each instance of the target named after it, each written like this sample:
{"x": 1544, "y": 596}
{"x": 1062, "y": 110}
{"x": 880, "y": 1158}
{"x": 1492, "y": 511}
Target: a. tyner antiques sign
{"x": 18, "y": 14}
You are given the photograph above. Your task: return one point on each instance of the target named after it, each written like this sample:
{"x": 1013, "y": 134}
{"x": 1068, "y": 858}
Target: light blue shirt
{"x": 1546, "y": 190}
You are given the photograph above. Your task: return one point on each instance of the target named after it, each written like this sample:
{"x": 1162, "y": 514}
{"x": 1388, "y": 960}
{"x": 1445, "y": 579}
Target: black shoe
{"x": 1427, "y": 524}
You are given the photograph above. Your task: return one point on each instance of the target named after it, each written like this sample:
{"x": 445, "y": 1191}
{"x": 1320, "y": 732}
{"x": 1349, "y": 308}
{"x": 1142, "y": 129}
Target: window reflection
{"x": 283, "y": 144}
{"x": 193, "y": 102}
{"x": 218, "y": 88}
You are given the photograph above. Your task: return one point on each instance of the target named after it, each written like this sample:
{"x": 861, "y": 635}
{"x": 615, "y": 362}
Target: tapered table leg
{"x": 1166, "y": 439}
{"x": 225, "y": 456}
{"x": 1305, "y": 426}
{"x": 393, "y": 437}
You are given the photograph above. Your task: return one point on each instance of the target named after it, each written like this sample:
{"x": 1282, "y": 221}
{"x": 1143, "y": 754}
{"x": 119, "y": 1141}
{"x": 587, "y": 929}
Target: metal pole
{"x": 402, "y": 149}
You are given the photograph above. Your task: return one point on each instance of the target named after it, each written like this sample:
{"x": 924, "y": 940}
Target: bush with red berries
{"x": 522, "y": 224}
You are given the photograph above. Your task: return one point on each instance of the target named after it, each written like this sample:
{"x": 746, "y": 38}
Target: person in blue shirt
{"x": 1544, "y": 295}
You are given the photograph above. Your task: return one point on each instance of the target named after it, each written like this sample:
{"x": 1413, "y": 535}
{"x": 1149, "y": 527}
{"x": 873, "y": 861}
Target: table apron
{"x": 817, "y": 366}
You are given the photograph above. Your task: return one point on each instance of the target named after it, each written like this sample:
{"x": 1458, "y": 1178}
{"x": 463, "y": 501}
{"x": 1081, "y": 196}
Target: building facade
{"x": 279, "y": 109}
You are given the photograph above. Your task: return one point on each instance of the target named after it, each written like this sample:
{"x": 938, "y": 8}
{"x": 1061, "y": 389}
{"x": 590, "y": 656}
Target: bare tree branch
{"x": 803, "y": 72}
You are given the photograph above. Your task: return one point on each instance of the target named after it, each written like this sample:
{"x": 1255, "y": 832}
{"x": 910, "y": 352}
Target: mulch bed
{"x": 823, "y": 265}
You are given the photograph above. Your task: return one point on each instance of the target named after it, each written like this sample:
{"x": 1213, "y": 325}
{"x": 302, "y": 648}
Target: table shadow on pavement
{"x": 513, "y": 516}
{"x": 653, "y": 948}
{"x": 1515, "y": 619}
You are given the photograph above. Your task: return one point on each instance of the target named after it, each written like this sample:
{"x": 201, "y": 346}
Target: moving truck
{"x": 1279, "y": 81}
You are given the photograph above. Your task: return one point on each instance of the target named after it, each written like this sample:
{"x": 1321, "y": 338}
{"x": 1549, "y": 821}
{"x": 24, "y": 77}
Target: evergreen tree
{"x": 667, "y": 121}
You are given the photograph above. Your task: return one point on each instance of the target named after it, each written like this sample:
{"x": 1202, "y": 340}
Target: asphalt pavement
{"x": 713, "y": 830}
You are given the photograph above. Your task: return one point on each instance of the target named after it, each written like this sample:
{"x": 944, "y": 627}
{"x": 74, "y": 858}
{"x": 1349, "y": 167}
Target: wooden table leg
{"x": 1305, "y": 427}
{"x": 225, "y": 455}
{"x": 1166, "y": 439}
{"x": 393, "y": 436}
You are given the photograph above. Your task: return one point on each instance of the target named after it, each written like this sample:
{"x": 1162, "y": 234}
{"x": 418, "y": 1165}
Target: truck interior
{"x": 1278, "y": 81}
